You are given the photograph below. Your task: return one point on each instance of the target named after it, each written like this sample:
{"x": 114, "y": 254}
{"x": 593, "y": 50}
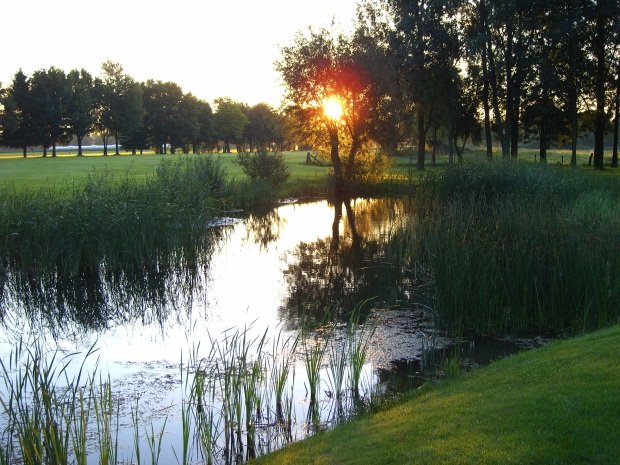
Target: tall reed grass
{"x": 237, "y": 402}
{"x": 118, "y": 222}
{"x": 516, "y": 247}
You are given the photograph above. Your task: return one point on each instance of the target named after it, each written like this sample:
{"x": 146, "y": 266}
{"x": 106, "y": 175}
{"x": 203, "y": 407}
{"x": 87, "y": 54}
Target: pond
{"x": 259, "y": 282}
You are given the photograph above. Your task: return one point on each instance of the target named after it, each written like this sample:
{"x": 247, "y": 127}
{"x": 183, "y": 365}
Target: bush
{"x": 266, "y": 166}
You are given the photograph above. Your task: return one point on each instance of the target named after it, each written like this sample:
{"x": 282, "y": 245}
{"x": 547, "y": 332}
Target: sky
{"x": 223, "y": 48}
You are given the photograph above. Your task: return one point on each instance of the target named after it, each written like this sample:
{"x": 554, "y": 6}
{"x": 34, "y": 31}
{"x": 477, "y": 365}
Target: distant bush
{"x": 266, "y": 166}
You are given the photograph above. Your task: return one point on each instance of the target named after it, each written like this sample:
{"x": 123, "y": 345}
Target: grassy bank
{"x": 559, "y": 404}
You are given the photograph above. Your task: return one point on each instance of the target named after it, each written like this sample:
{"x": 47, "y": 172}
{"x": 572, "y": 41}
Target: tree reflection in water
{"x": 348, "y": 268}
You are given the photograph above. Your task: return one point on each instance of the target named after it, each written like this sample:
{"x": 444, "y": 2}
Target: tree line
{"x": 413, "y": 72}
{"x": 490, "y": 71}
{"x": 52, "y": 107}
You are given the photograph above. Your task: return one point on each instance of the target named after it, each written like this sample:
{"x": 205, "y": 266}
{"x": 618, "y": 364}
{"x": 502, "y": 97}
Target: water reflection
{"x": 328, "y": 256}
{"x": 270, "y": 270}
{"x": 60, "y": 303}
{"x": 349, "y": 267}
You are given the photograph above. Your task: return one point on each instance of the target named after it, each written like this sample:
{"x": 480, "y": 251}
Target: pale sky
{"x": 223, "y": 48}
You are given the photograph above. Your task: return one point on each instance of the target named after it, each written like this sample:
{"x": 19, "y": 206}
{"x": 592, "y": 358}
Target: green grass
{"x": 67, "y": 170}
{"x": 559, "y": 404}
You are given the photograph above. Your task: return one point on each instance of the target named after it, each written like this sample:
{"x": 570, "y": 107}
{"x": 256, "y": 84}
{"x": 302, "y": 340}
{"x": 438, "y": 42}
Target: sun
{"x": 332, "y": 108}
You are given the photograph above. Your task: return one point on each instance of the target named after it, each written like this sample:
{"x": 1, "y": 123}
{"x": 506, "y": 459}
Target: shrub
{"x": 264, "y": 165}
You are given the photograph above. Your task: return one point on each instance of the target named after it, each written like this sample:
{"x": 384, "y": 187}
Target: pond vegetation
{"x": 480, "y": 249}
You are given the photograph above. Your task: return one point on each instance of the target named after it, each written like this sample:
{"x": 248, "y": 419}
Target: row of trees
{"x": 413, "y": 72}
{"x": 51, "y": 108}
{"x": 482, "y": 70}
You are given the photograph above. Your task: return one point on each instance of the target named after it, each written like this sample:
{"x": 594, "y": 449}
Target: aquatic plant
{"x": 359, "y": 338}
{"x": 514, "y": 248}
{"x": 110, "y": 222}
{"x": 314, "y": 346}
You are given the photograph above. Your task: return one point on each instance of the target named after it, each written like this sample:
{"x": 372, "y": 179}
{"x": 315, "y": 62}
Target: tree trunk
{"x": 509, "y": 95}
{"x": 433, "y": 160}
{"x": 599, "y": 53}
{"x": 572, "y": 101}
{"x": 451, "y": 142}
{"x": 350, "y": 168}
{"x": 25, "y": 151}
{"x": 335, "y": 158}
{"x": 516, "y": 92}
{"x": 614, "y": 157}
{"x": 79, "y": 139}
{"x": 542, "y": 151}
{"x": 421, "y": 140}
{"x": 487, "y": 111}
{"x": 485, "y": 92}
{"x": 54, "y": 150}
{"x": 495, "y": 100}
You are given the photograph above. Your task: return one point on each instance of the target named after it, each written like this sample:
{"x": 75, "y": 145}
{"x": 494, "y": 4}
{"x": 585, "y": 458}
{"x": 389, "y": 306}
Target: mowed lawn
{"x": 68, "y": 170}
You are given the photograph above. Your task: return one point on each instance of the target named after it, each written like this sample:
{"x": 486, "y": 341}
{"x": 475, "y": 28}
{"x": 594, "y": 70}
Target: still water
{"x": 263, "y": 273}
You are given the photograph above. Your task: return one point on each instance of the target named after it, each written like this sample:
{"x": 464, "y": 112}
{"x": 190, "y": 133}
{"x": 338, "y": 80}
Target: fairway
{"x": 69, "y": 170}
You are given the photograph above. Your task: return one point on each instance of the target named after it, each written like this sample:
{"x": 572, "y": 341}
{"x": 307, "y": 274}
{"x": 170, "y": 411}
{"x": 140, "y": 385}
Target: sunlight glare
{"x": 332, "y": 108}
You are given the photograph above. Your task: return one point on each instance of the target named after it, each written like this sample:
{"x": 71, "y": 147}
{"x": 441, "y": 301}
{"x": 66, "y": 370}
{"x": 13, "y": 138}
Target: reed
{"x": 227, "y": 401}
{"x": 113, "y": 222}
{"x": 516, "y": 248}
{"x": 107, "y": 420}
{"x": 338, "y": 358}
{"x": 154, "y": 442}
{"x": 283, "y": 352}
{"x": 359, "y": 338}
{"x": 314, "y": 347}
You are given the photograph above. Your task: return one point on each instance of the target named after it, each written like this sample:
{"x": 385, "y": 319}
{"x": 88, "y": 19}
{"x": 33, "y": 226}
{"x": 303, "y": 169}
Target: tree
{"x": 569, "y": 30}
{"x": 206, "y": 134}
{"x": 16, "y": 120}
{"x": 427, "y": 51}
{"x": 230, "y": 121}
{"x": 120, "y": 104}
{"x": 263, "y": 126}
{"x": 188, "y": 124}
{"x": 49, "y": 95}
{"x": 606, "y": 13}
{"x": 161, "y": 103}
{"x": 81, "y": 105}
{"x": 323, "y": 73}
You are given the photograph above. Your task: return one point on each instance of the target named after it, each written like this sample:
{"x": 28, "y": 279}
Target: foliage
{"x": 512, "y": 248}
{"x": 230, "y": 121}
{"x": 264, "y": 128}
{"x": 321, "y": 67}
{"x": 110, "y": 222}
{"x": 265, "y": 165}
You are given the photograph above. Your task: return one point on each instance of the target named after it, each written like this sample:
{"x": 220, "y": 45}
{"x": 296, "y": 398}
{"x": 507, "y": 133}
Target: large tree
{"x": 81, "y": 105}
{"x": 604, "y": 49}
{"x": 230, "y": 121}
{"x": 428, "y": 52}
{"x": 120, "y": 104}
{"x": 333, "y": 90}
{"x": 206, "y": 135}
{"x": 161, "y": 102}
{"x": 16, "y": 119}
{"x": 49, "y": 94}
{"x": 263, "y": 124}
